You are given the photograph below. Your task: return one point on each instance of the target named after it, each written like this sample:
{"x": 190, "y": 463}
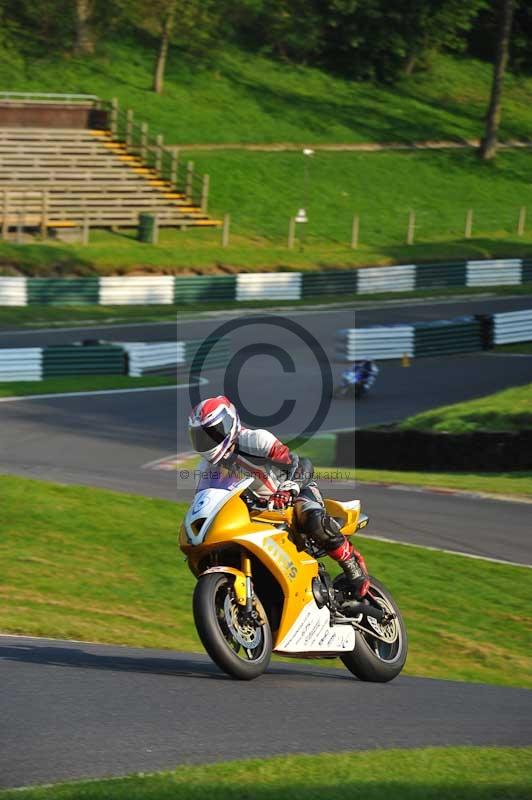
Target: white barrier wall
{"x": 21, "y": 364}
{"x": 145, "y": 357}
{"x": 494, "y": 273}
{"x": 378, "y": 342}
{"x": 137, "y": 290}
{"x": 512, "y": 326}
{"x": 13, "y": 292}
{"x": 387, "y": 279}
{"x": 268, "y": 285}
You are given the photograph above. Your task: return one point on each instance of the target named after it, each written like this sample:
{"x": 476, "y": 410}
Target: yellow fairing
{"x": 292, "y": 569}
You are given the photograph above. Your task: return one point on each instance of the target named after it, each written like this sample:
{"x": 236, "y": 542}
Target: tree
{"x": 84, "y": 42}
{"x": 167, "y": 24}
{"x": 488, "y": 146}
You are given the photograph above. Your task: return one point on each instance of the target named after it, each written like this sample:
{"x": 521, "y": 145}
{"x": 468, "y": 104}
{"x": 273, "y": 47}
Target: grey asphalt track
{"x": 367, "y": 313}
{"x": 72, "y": 710}
{"x": 106, "y": 440}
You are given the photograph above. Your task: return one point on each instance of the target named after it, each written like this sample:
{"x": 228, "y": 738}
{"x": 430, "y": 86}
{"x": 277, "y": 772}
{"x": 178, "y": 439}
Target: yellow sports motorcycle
{"x": 261, "y": 589}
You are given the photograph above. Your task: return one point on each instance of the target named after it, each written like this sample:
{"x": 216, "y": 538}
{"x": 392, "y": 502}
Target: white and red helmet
{"x": 213, "y": 427}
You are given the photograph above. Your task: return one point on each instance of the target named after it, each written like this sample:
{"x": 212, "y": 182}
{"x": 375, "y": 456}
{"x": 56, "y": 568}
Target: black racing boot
{"x": 357, "y": 577}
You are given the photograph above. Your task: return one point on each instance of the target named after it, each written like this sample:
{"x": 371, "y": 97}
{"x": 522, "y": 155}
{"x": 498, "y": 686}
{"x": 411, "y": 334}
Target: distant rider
{"x": 279, "y": 476}
{"x": 366, "y": 370}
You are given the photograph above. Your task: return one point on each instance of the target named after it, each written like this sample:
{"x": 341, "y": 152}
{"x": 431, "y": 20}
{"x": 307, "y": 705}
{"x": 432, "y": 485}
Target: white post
{"x": 291, "y": 233}
{"x": 411, "y": 227}
{"x": 205, "y": 194}
{"x": 469, "y": 223}
{"x": 225, "y": 230}
{"x": 522, "y": 221}
{"x": 355, "y": 231}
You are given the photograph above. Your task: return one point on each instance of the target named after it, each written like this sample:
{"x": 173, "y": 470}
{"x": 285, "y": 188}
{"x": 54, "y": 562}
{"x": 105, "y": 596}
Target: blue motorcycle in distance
{"x": 358, "y": 379}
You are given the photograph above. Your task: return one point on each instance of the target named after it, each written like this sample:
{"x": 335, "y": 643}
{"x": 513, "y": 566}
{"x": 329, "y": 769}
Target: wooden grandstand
{"x": 78, "y": 175}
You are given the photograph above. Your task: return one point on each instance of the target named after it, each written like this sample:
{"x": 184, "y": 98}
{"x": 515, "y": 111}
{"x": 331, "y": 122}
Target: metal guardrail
{"x": 187, "y": 289}
{"x": 381, "y": 342}
{"x": 512, "y": 326}
{"x": 21, "y": 364}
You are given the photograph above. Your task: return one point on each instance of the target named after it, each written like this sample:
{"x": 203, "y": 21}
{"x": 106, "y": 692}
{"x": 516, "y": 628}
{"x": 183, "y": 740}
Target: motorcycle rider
{"x": 368, "y": 371}
{"x": 280, "y": 478}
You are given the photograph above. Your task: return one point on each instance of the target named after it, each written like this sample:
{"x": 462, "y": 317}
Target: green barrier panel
{"x": 332, "y": 282}
{"x": 147, "y": 230}
{"x": 447, "y": 336}
{"x": 527, "y": 271}
{"x": 441, "y": 275}
{"x": 205, "y": 355}
{"x": 75, "y": 359}
{"x": 62, "y": 291}
{"x": 204, "y": 288}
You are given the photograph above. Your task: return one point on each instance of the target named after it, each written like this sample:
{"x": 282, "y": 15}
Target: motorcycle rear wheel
{"x": 241, "y": 647}
{"x": 372, "y": 659}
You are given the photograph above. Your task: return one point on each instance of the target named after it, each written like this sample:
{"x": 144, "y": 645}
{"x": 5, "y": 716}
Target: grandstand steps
{"x": 65, "y": 178}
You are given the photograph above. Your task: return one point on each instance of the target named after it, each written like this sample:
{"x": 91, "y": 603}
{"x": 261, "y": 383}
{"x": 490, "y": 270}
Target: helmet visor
{"x": 204, "y": 438}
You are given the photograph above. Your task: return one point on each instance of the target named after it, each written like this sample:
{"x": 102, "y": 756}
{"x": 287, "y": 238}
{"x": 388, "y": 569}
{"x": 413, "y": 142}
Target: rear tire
{"x": 216, "y": 614}
{"x": 373, "y": 660}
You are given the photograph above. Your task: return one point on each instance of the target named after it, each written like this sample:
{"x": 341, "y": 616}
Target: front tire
{"x": 240, "y": 647}
{"x": 373, "y": 659}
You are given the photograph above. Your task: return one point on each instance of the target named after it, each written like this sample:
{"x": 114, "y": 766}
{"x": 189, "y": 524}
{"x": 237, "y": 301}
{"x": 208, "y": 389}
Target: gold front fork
{"x": 245, "y": 566}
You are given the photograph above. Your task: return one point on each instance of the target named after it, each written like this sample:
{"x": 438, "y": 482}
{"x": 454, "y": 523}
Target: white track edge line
{"x": 58, "y": 395}
{"x": 444, "y": 550}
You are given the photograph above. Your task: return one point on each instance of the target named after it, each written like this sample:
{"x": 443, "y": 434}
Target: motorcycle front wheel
{"x": 379, "y": 657}
{"x": 240, "y": 644}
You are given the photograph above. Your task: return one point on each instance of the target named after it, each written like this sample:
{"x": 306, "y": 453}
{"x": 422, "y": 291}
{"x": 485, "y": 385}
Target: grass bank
{"x": 91, "y": 564}
{"x": 509, "y": 410}
{"x": 262, "y": 191}
{"x": 273, "y": 101}
{"x": 468, "y": 773}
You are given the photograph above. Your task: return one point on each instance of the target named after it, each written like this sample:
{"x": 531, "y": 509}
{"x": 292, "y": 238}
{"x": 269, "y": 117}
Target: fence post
{"x": 190, "y": 176}
{"x": 114, "y": 117}
{"x": 143, "y": 140}
{"x": 522, "y": 221}
{"x": 44, "y": 214}
{"x": 159, "y": 152}
{"x": 411, "y": 227}
{"x": 291, "y": 233}
{"x": 20, "y": 225}
{"x": 468, "y": 223}
{"x": 225, "y": 230}
{"x": 86, "y": 229}
{"x": 5, "y": 212}
{"x": 174, "y": 166}
{"x": 354, "y": 231}
{"x": 205, "y": 194}
{"x": 129, "y": 126}
{"x": 155, "y": 239}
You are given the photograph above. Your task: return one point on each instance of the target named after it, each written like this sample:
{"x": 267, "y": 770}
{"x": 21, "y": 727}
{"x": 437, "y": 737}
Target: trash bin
{"x": 147, "y": 230}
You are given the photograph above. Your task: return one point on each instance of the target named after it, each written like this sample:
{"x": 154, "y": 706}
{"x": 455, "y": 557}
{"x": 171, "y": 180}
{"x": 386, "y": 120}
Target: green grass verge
{"x": 509, "y": 410}
{"x": 518, "y": 347}
{"x": 91, "y": 564}
{"x": 447, "y": 773}
{"x": 86, "y": 383}
{"x": 272, "y": 101}
{"x": 263, "y": 190}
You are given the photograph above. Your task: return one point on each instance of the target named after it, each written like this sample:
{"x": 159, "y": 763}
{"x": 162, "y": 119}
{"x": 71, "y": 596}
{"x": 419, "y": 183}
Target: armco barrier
{"x": 137, "y": 290}
{"x": 13, "y": 292}
{"x": 21, "y": 364}
{"x": 443, "y": 337}
{"x": 117, "y": 358}
{"x": 181, "y": 290}
{"x": 378, "y": 342}
{"x": 78, "y": 359}
{"x": 512, "y": 326}
{"x": 461, "y": 335}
